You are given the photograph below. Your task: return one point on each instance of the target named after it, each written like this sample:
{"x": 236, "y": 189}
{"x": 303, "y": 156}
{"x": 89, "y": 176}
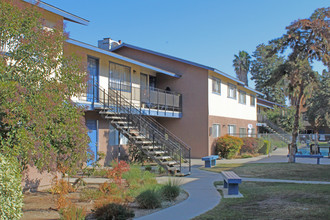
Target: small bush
{"x": 113, "y": 211}
{"x": 170, "y": 190}
{"x": 139, "y": 181}
{"x": 73, "y": 212}
{"x": 148, "y": 168}
{"x": 161, "y": 170}
{"x": 228, "y": 146}
{"x": 90, "y": 194}
{"x": 246, "y": 156}
{"x": 265, "y": 148}
{"x": 149, "y": 199}
{"x": 11, "y": 197}
{"x": 251, "y": 145}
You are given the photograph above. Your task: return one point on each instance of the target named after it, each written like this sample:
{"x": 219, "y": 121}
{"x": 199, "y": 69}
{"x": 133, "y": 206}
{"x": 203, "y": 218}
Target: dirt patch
{"x": 42, "y": 205}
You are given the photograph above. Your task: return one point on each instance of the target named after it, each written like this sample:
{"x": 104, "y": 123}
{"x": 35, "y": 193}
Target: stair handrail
{"x": 145, "y": 119}
{"x": 275, "y": 127}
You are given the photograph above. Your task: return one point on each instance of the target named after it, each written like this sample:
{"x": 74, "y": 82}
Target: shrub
{"x": 148, "y": 168}
{"x": 11, "y": 197}
{"x": 228, "y": 146}
{"x": 251, "y": 145}
{"x": 170, "y": 190}
{"x": 265, "y": 148}
{"x": 113, "y": 211}
{"x": 246, "y": 156}
{"x": 139, "y": 181}
{"x": 149, "y": 199}
{"x": 73, "y": 212}
{"x": 90, "y": 194}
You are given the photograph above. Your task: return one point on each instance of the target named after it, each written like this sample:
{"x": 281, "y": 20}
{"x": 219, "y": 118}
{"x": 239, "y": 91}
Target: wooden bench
{"x": 317, "y": 156}
{"x": 231, "y": 181}
{"x": 210, "y": 160}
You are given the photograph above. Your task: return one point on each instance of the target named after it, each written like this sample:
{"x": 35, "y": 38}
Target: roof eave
{"x": 109, "y": 53}
{"x": 66, "y": 15}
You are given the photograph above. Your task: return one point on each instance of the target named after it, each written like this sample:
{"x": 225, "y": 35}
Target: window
{"x": 242, "y": 132}
{"x": 216, "y": 130}
{"x": 252, "y": 100}
{"x": 216, "y": 85}
{"x": 231, "y": 91}
{"x": 120, "y": 77}
{"x": 93, "y": 79}
{"x": 242, "y": 97}
{"x": 116, "y": 138}
{"x": 231, "y": 129}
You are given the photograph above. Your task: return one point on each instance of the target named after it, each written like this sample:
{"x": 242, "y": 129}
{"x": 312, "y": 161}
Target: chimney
{"x": 108, "y": 43}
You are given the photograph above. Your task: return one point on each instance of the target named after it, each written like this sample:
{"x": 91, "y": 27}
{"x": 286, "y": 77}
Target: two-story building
{"x": 213, "y": 102}
{"x": 171, "y": 108}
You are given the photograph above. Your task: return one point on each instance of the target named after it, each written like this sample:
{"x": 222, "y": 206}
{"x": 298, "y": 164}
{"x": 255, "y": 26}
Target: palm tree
{"x": 242, "y": 66}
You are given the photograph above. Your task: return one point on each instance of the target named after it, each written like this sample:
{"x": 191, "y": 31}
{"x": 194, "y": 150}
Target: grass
{"x": 290, "y": 171}
{"x": 274, "y": 201}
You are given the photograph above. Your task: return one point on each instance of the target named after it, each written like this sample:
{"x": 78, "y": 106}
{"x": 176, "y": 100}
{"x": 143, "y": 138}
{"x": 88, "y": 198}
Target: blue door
{"x": 93, "y": 79}
{"x": 93, "y": 135}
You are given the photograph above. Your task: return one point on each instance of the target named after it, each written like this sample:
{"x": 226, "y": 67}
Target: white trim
{"x": 66, "y": 15}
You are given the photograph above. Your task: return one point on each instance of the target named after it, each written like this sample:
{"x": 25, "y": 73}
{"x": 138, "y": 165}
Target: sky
{"x": 209, "y": 32}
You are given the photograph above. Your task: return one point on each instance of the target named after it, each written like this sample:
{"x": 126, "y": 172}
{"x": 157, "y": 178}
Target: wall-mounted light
{"x": 134, "y": 71}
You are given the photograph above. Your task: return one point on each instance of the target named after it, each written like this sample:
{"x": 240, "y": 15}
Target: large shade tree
{"x": 241, "y": 63}
{"x": 261, "y": 70}
{"x": 306, "y": 40}
{"x": 39, "y": 125}
{"x": 318, "y": 106}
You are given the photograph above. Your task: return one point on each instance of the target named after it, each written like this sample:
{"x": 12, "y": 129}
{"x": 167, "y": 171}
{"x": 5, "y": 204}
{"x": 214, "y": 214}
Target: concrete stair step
{"x": 163, "y": 157}
{"x": 150, "y": 147}
{"x": 169, "y": 163}
{"x": 143, "y": 142}
{"x": 159, "y": 152}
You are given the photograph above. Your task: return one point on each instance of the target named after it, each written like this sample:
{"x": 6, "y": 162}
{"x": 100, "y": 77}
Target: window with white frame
{"x": 242, "y": 97}
{"x": 215, "y": 130}
{"x": 231, "y": 129}
{"x": 119, "y": 76}
{"x": 252, "y": 100}
{"x": 116, "y": 138}
{"x": 216, "y": 85}
{"x": 231, "y": 91}
{"x": 242, "y": 132}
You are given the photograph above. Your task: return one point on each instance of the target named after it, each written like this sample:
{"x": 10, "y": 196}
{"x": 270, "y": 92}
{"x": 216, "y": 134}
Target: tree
{"x": 242, "y": 65}
{"x": 283, "y": 117}
{"x": 318, "y": 106}
{"x": 261, "y": 71}
{"x": 39, "y": 124}
{"x": 308, "y": 40}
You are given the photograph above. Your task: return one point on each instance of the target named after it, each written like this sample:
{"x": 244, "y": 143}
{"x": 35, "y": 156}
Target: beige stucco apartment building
{"x": 196, "y": 103}
{"x": 213, "y": 103}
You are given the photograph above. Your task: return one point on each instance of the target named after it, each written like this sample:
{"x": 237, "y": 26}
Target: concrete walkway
{"x": 203, "y": 196}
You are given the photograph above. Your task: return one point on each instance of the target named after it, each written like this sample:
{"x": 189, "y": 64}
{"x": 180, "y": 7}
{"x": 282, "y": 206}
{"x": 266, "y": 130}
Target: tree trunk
{"x": 293, "y": 146}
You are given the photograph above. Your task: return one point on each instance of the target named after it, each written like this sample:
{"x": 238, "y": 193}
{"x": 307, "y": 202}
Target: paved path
{"x": 203, "y": 196}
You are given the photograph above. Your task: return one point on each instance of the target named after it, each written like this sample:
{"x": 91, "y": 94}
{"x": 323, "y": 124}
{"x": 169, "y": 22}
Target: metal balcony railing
{"x": 143, "y": 97}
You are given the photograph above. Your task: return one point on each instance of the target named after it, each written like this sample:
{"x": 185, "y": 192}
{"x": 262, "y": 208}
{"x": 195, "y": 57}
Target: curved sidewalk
{"x": 203, "y": 196}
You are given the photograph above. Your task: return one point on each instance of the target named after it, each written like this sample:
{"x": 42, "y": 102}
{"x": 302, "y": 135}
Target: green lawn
{"x": 290, "y": 171}
{"x": 274, "y": 201}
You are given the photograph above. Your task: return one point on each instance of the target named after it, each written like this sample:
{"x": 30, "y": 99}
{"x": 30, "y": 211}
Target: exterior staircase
{"x": 273, "y": 128}
{"x": 143, "y": 131}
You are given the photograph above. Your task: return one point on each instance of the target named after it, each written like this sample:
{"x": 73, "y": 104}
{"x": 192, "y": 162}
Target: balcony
{"x": 151, "y": 101}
